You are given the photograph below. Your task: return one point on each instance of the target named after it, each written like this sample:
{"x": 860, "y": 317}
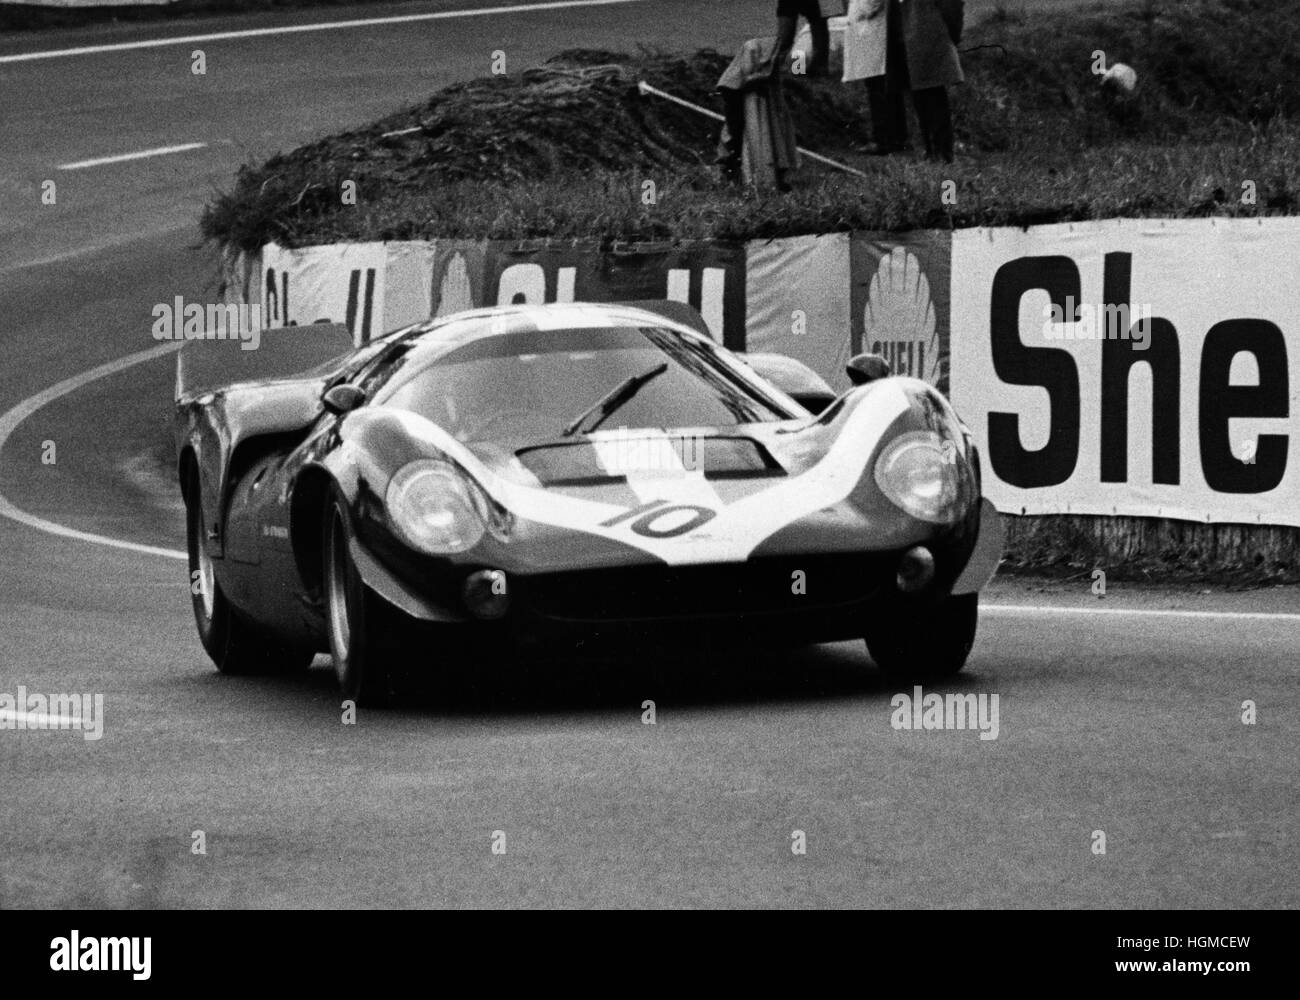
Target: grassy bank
{"x": 1151, "y": 550}
{"x": 563, "y": 149}
{"x": 1181, "y": 179}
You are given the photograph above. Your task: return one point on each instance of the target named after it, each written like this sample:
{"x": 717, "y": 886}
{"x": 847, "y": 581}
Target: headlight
{"x": 923, "y": 475}
{"x": 435, "y": 508}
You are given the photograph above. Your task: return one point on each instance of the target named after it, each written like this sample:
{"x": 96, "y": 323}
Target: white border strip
{"x": 1056, "y": 609}
{"x": 9, "y": 423}
{"x": 37, "y": 721}
{"x": 291, "y": 29}
{"x": 124, "y": 157}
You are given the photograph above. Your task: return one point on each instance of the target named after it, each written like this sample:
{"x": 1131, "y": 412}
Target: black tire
{"x": 233, "y": 644}
{"x": 364, "y": 632}
{"x": 924, "y": 643}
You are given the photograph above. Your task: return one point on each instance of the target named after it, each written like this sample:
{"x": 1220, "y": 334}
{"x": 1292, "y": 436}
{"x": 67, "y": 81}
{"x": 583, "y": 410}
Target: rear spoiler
{"x": 278, "y": 352}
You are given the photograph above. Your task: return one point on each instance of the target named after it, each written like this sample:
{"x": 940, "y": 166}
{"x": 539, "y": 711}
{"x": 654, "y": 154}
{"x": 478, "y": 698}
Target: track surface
{"x": 1127, "y": 723}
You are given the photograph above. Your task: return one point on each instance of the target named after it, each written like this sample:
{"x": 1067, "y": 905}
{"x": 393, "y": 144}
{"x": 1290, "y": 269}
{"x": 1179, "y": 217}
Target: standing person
{"x": 865, "y": 50}
{"x": 757, "y": 144}
{"x": 816, "y": 13}
{"x": 927, "y": 32}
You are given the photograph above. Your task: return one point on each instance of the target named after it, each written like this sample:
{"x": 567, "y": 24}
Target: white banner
{"x": 797, "y": 301}
{"x": 1133, "y": 367}
{"x": 340, "y": 283}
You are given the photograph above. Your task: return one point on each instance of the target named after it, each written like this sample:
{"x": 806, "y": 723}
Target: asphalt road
{"x": 1114, "y": 715}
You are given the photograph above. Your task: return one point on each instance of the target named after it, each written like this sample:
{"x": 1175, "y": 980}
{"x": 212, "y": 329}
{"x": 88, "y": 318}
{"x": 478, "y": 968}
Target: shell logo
{"x": 898, "y": 321}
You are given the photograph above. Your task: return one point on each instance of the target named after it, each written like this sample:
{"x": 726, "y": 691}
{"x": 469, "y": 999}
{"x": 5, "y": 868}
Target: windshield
{"x": 524, "y": 388}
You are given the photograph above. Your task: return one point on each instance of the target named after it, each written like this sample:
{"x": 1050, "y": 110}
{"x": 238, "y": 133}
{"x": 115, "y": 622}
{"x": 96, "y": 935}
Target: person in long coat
{"x": 865, "y": 50}
{"x": 902, "y": 45}
{"x": 928, "y": 33}
{"x": 757, "y": 143}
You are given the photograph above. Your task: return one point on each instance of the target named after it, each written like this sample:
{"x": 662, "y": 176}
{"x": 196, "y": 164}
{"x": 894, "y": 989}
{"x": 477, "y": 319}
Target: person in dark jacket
{"x": 865, "y": 59}
{"x": 923, "y": 39}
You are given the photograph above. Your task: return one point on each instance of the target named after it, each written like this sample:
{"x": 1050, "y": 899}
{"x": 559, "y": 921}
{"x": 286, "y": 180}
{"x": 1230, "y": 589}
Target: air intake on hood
{"x": 623, "y": 454}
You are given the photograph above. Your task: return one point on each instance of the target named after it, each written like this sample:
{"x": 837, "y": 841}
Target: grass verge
{"x": 1151, "y": 550}
{"x": 562, "y": 150}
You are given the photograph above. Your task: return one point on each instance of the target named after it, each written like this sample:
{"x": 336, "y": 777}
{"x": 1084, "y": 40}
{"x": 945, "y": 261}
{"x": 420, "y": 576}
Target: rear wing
{"x": 275, "y": 353}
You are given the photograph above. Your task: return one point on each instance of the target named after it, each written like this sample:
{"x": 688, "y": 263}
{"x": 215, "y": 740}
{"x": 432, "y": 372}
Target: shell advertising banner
{"x": 822, "y": 299}
{"x": 376, "y": 287}
{"x": 1141, "y": 367}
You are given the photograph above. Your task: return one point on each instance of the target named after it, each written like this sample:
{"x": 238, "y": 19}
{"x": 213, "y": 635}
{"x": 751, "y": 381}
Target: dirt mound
{"x": 578, "y": 114}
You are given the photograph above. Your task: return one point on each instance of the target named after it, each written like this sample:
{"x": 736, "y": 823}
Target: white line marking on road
{"x": 124, "y": 157}
{"x": 290, "y": 29}
{"x": 1052, "y": 609}
{"x": 9, "y": 423}
{"x": 38, "y": 720}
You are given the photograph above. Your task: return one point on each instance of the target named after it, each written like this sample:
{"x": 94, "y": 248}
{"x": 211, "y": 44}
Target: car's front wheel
{"x": 362, "y": 630}
{"x": 924, "y": 643}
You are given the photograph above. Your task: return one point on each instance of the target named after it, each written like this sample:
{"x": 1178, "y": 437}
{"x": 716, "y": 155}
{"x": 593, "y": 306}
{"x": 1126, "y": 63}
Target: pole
{"x": 645, "y": 88}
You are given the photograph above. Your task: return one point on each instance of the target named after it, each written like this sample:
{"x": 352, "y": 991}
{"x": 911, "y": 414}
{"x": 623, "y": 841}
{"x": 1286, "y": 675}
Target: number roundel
{"x": 645, "y": 524}
{"x": 653, "y": 513}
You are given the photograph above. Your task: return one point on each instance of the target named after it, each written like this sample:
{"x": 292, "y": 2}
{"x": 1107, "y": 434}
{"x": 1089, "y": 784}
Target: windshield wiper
{"x": 612, "y": 400}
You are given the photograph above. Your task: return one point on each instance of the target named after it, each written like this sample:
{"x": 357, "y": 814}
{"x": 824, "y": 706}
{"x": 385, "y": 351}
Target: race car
{"x": 570, "y": 479}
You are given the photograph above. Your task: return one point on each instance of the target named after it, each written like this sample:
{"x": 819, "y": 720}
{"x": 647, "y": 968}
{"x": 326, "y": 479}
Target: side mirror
{"x": 864, "y": 368}
{"x": 343, "y": 398}
{"x": 815, "y": 401}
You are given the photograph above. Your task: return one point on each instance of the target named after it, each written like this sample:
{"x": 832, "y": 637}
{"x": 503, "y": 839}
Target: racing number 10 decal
{"x": 655, "y": 511}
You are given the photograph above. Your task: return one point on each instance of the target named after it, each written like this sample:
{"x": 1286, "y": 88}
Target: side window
{"x": 376, "y": 373}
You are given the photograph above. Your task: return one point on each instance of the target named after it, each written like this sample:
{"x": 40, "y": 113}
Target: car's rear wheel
{"x": 234, "y": 645}
{"x": 924, "y": 643}
{"x": 363, "y": 632}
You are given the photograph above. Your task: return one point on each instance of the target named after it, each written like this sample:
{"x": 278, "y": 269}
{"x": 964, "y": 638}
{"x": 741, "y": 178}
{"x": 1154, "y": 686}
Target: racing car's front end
{"x": 800, "y": 530}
